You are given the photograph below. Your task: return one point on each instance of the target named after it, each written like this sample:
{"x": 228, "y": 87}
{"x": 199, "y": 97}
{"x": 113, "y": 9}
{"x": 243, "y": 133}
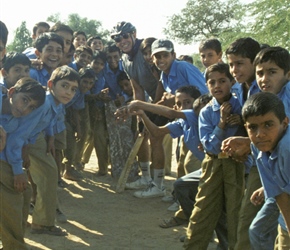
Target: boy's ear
{"x": 49, "y": 84}
{"x": 10, "y": 92}
{"x": 285, "y": 122}
{"x": 37, "y": 53}
{"x": 288, "y": 75}
{"x": 4, "y": 72}
{"x": 220, "y": 55}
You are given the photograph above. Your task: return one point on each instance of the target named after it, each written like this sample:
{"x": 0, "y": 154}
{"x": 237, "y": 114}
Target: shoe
{"x": 168, "y": 198}
{"x": 173, "y": 222}
{"x": 51, "y": 230}
{"x": 138, "y": 184}
{"x": 174, "y": 207}
{"x": 182, "y": 238}
{"x": 151, "y": 191}
{"x": 60, "y": 216}
{"x": 72, "y": 175}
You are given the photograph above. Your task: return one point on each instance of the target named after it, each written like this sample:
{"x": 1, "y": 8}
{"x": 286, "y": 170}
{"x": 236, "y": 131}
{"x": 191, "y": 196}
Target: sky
{"x": 148, "y": 16}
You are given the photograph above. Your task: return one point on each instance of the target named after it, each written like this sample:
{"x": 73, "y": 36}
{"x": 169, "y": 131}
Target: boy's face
{"x": 15, "y": 73}
{"x": 21, "y": 103}
{"x": 147, "y": 55}
{"x": 241, "y": 68}
{"x": 86, "y": 84}
{"x": 51, "y": 55}
{"x": 265, "y": 131}
{"x": 163, "y": 61}
{"x": 209, "y": 57}
{"x": 97, "y": 65}
{"x": 113, "y": 59}
{"x": 126, "y": 87}
{"x": 40, "y": 30}
{"x": 219, "y": 85}
{"x": 97, "y": 44}
{"x": 183, "y": 101}
{"x": 79, "y": 40}
{"x": 67, "y": 58}
{"x": 83, "y": 59}
{"x": 63, "y": 91}
{"x": 270, "y": 77}
{"x": 126, "y": 44}
{"x": 67, "y": 40}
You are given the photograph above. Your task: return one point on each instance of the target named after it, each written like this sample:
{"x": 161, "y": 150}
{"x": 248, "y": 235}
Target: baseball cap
{"x": 161, "y": 45}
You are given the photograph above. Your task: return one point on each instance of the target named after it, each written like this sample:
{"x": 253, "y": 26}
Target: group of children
{"x": 231, "y": 120}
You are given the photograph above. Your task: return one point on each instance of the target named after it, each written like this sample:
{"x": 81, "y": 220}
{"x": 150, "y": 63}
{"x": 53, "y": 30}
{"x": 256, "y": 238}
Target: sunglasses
{"x": 118, "y": 38}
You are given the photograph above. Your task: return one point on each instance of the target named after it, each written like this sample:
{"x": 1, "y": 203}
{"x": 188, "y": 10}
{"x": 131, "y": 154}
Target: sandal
{"x": 172, "y": 222}
{"x": 51, "y": 230}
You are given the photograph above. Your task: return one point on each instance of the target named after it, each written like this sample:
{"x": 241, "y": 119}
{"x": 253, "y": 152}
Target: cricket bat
{"x": 130, "y": 160}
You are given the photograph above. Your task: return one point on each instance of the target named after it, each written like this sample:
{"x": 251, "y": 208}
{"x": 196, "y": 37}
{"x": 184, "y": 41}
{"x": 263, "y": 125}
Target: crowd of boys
{"x": 231, "y": 121}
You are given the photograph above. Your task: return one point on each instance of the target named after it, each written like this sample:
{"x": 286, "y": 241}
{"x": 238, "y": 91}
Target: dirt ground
{"x": 99, "y": 218}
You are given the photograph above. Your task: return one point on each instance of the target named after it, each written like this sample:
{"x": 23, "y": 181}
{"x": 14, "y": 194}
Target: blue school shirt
{"x": 100, "y": 84}
{"x": 42, "y": 75}
{"x": 111, "y": 80}
{"x": 211, "y": 136}
{"x": 74, "y": 66}
{"x": 237, "y": 90}
{"x": 274, "y": 168}
{"x": 284, "y": 96}
{"x": 78, "y": 101}
{"x": 187, "y": 127}
{"x": 181, "y": 74}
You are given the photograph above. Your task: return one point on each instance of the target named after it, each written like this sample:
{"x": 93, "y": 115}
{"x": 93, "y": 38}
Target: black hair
{"x": 3, "y": 33}
{"x": 83, "y": 48}
{"x": 58, "y": 26}
{"x": 32, "y": 87}
{"x": 79, "y": 32}
{"x": 90, "y": 39}
{"x": 112, "y": 48}
{"x": 185, "y": 58}
{"x": 122, "y": 76}
{"x": 277, "y": 55}
{"x": 45, "y": 38}
{"x": 13, "y": 58}
{"x": 221, "y": 68}
{"x": 100, "y": 55}
{"x": 211, "y": 43}
{"x": 262, "y": 103}
{"x": 40, "y": 24}
{"x": 147, "y": 42}
{"x": 245, "y": 47}
{"x": 64, "y": 72}
{"x": 87, "y": 72}
{"x": 201, "y": 100}
{"x": 190, "y": 90}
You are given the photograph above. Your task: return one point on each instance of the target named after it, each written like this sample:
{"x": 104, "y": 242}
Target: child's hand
{"x": 36, "y": 63}
{"x": 200, "y": 147}
{"x": 237, "y": 147}
{"x": 234, "y": 119}
{"x": 225, "y": 111}
{"x": 25, "y": 157}
{"x": 20, "y": 182}
{"x": 2, "y": 138}
{"x": 104, "y": 95}
{"x": 121, "y": 114}
{"x": 167, "y": 100}
{"x": 258, "y": 196}
{"x": 139, "y": 112}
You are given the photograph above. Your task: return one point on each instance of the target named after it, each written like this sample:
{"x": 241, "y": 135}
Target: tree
{"x": 270, "y": 22}
{"x": 75, "y": 22}
{"x": 203, "y": 19}
{"x": 22, "y": 39}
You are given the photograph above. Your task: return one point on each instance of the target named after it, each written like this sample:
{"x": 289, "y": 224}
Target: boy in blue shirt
{"x": 222, "y": 180}
{"x": 16, "y": 66}
{"x": 26, "y": 96}
{"x": 82, "y": 57}
{"x": 49, "y": 49}
{"x": 267, "y": 126}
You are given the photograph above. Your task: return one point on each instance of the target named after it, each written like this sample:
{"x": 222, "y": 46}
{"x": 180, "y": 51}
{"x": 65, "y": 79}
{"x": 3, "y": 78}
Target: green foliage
{"x": 202, "y": 19}
{"x": 197, "y": 62}
{"x": 22, "y": 39}
{"x": 270, "y": 22}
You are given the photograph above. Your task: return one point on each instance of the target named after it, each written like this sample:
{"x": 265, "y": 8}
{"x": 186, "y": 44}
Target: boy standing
{"x": 267, "y": 126}
{"x": 15, "y": 191}
{"x": 222, "y": 179}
